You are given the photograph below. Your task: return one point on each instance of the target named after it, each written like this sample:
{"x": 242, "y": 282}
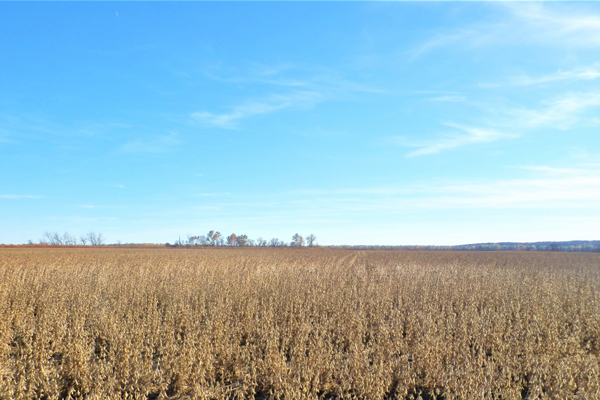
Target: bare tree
{"x": 297, "y": 240}
{"x": 274, "y": 242}
{"x": 68, "y": 239}
{"x": 56, "y": 239}
{"x": 196, "y": 240}
{"x": 95, "y": 239}
{"x": 310, "y": 240}
{"x": 260, "y": 242}
{"x": 190, "y": 240}
{"x": 50, "y": 238}
{"x": 83, "y": 239}
{"x": 213, "y": 238}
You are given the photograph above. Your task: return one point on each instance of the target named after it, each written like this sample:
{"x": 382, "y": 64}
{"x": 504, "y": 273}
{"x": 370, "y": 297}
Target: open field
{"x": 293, "y": 324}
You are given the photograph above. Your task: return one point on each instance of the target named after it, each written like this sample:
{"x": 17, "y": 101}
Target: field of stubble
{"x": 298, "y": 324}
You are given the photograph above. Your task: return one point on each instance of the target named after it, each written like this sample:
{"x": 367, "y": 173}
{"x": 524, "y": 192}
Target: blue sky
{"x": 363, "y": 123}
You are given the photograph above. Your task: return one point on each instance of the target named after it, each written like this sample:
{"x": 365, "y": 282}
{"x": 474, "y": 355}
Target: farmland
{"x": 298, "y": 324}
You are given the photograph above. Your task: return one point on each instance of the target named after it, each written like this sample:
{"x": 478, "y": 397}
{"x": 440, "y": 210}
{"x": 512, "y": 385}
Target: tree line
{"x": 66, "y": 239}
{"x": 215, "y": 238}
{"x": 212, "y": 238}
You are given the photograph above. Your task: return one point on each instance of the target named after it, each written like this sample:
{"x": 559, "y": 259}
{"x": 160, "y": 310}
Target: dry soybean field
{"x": 243, "y": 323}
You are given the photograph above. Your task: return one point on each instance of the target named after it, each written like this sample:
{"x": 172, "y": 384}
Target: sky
{"x": 390, "y": 123}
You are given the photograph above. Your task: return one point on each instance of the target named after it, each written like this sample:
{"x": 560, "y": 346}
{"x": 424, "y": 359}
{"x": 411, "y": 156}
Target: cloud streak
{"x": 304, "y": 90}
{"x": 545, "y": 187}
{"x": 562, "y": 112}
{"x": 579, "y": 74}
{"x": 468, "y": 135}
{"x": 556, "y": 25}
{"x": 251, "y": 108}
{"x": 18, "y": 197}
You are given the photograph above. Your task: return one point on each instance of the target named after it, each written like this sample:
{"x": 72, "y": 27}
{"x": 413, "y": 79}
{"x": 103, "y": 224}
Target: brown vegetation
{"x": 294, "y": 324}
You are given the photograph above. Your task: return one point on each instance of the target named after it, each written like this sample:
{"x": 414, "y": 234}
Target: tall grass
{"x": 298, "y": 324}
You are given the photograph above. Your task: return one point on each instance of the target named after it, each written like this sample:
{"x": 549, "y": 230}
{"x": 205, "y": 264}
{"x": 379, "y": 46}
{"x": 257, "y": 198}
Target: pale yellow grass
{"x": 298, "y": 324}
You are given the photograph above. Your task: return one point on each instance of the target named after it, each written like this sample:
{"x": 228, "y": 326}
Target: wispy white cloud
{"x": 555, "y": 24}
{"x": 152, "y": 144}
{"x": 559, "y": 25}
{"x": 449, "y": 99}
{"x": 468, "y": 135}
{"x": 443, "y": 39}
{"x": 212, "y": 194}
{"x": 296, "y": 100}
{"x": 561, "y": 112}
{"x": 18, "y": 196}
{"x": 268, "y": 77}
{"x": 543, "y": 187}
{"x": 559, "y": 189}
{"x": 578, "y": 74}
{"x": 308, "y": 78}
{"x": 559, "y": 171}
{"x": 283, "y": 87}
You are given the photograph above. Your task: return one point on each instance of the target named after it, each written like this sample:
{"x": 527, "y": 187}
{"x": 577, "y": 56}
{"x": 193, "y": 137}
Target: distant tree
{"x": 260, "y": 242}
{"x": 232, "y": 240}
{"x": 68, "y": 239}
{"x": 192, "y": 240}
{"x": 83, "y": 239}
{"x": 310, "y": 240}
{"x": 242, "y": 240}
{"x": 297, "y": 240}
{"x": 54, "y": 239}
{"x": 95, "y": 239}
{"x": 277, "y": 243}
{"x": 213, "y": 238}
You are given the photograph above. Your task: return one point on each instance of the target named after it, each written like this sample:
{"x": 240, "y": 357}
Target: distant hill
{"x": 571, "y": 245}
